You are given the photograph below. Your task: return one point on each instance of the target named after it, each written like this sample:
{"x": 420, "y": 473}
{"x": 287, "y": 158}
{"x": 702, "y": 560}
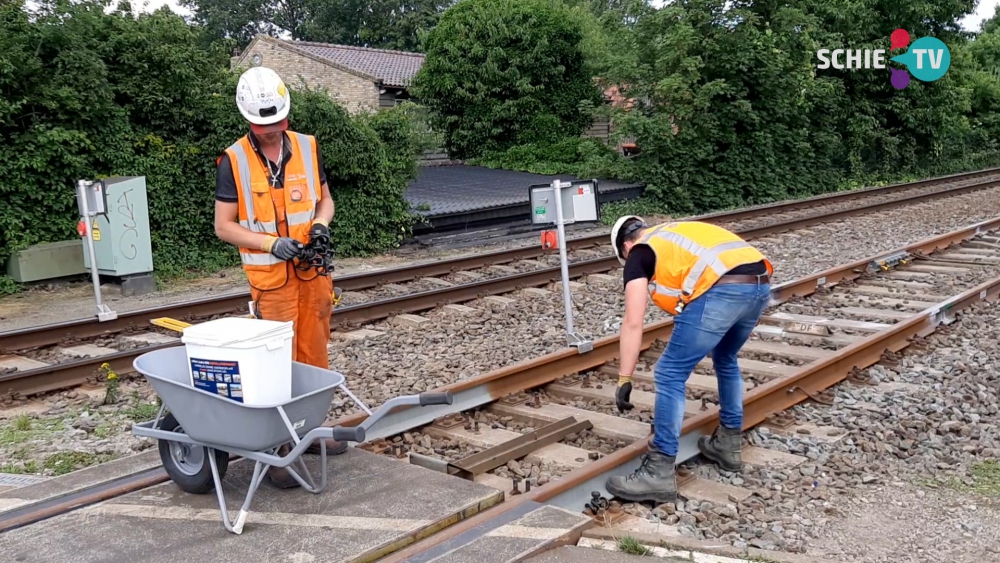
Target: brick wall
{"x": 356, "y": 94}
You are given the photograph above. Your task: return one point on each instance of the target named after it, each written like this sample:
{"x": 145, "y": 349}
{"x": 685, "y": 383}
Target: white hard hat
{"x": 615, "y": 232}
{"x": 262, "y": 97}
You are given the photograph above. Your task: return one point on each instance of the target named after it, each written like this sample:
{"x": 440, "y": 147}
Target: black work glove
{"x": 319, "y": 230}
{"x": 286, "y": 248}
{"x": 622, "y": 395}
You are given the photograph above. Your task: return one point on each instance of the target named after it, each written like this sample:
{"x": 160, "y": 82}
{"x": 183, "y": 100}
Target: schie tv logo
{"x": 927, "y": 59}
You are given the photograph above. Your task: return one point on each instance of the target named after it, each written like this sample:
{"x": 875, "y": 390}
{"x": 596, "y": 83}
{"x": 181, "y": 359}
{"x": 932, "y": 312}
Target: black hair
{"x": 629, "y": 232}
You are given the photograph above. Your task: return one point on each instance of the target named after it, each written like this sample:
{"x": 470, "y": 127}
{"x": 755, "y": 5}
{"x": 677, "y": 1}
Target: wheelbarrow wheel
{"x": 188, "y": 465}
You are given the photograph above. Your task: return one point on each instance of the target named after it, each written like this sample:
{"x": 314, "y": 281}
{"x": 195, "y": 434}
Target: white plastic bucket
{"x": 242, "y": 359}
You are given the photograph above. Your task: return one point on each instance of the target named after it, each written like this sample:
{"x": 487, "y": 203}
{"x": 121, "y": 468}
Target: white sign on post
{"x": 563, "y": 203}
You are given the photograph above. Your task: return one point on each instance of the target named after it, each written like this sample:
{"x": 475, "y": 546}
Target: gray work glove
{"x": 284, "y": 247}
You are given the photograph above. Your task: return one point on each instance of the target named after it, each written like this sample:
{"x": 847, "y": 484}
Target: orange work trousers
{"x": 307, "y": 304}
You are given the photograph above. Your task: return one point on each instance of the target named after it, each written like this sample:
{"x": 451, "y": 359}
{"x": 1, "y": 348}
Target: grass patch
{"x": 66, "y": 462}
{"x": 103, "y": 431}
{"x": 983, "y": 479}
{"x": 759, "y": 559}
{"x": 141, "y": 411}
{"x": 22, "y": 423}
{"x": 630, "y": 545}
{"x": 22, "y": 429}
{"x": 29, "y": 468}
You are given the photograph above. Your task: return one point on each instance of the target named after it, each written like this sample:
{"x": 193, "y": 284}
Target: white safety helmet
{"x": 262, "y": 97}
{"x": 616, "y": 233}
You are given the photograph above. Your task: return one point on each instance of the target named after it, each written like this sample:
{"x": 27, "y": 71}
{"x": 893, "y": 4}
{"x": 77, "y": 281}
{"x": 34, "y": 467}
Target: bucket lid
{"x": 229, "y": 330}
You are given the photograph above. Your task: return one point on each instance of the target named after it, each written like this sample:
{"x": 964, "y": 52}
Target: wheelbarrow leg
{"x": 259, "y": 470}
{"x": 299, "y": 471}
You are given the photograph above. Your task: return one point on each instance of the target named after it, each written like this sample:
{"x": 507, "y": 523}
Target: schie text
{"x": 850, "y": 59}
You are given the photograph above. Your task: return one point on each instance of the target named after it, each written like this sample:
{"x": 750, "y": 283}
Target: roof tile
{"x": 393, "y": 68}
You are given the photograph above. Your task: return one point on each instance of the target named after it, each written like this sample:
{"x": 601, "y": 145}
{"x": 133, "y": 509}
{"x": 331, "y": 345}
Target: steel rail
{"x": 59, "y": 376}
{"x": 34, "y": 337}
{"x": 774, "y": 396}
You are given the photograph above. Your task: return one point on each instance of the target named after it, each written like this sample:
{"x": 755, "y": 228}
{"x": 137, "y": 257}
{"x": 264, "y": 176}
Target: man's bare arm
{"x": 228, "y": 228}
{"x": 325, "y": 207}
{"x": 631, "y": 336}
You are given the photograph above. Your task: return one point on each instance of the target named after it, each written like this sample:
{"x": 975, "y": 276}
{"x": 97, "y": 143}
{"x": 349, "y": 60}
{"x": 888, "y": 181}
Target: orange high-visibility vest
{"x": 690, "y": 257}
{"x": 286, "y": 212}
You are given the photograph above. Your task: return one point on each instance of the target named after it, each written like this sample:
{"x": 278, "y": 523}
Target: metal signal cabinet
{"x": 121, "y": 234}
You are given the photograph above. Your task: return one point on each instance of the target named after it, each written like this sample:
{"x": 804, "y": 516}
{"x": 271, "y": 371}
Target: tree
{"x": 383, "y": 24}
{"x": 501, "y": 73}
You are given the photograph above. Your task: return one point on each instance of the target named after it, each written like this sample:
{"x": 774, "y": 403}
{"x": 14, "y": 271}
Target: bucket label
{"x": 219, "y": 377}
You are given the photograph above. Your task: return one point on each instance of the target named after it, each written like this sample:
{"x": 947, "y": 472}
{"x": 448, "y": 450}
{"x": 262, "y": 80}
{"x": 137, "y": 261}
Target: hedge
{"x": 85, "y": 95}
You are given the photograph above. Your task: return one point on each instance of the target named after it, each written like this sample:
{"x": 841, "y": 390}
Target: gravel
{"x": 76, "y": 429}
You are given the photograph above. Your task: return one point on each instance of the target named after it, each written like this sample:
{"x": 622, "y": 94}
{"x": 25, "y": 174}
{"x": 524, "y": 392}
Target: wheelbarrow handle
{"x": 356, "y": 434}
{"x": 445, "y": 398}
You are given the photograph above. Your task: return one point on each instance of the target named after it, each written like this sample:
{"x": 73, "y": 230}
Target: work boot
{"x": 279, "y": 476}
{"x": 724, "y": 447}
{"x": 655, "y": 480}
{"x": 333, "y": 447}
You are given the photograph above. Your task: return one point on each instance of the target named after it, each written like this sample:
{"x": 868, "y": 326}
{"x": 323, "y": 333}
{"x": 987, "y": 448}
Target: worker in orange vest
{"x": 716, "y": 286}
{"x": 271, "y": 200}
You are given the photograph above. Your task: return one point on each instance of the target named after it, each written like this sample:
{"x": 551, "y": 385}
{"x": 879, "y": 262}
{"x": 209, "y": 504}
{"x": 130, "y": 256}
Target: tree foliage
{"x": 500, "y": 73}
{"x": 89, "y": 94}
{"x": 731, "y": 110}
{"x": 384, "y": 24}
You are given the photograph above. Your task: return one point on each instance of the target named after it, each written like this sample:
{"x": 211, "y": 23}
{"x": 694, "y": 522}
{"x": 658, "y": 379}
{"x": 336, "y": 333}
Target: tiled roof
{"x": 393, "y": 68}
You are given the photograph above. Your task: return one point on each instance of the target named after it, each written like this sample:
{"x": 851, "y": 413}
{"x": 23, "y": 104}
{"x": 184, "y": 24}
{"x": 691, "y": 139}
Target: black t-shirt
{"x": 225, "y": 181}
{"x": 641, "y": 263}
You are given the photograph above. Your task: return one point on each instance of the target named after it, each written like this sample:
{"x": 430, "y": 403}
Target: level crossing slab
{"x": 373, "y": 505}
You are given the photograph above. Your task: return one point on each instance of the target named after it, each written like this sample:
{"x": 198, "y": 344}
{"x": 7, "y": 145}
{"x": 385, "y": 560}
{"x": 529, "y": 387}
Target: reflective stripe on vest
{"x": 310, "y": 166}
{"x": 710, "y": 259}
{"x": 707, "y": 257}
{"x": 271, "y": 227}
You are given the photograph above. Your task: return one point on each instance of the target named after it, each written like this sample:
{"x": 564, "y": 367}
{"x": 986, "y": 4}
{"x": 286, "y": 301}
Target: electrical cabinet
{"x": 121, "y": 233}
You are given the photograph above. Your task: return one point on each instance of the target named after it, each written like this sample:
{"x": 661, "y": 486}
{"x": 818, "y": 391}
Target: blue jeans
{"x": 719, "y": 321}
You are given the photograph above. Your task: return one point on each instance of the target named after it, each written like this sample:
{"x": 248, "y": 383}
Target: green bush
{"x": 583, "y": 158}
{"x": 89, "y": 94}
{"x": 501, "y": 73}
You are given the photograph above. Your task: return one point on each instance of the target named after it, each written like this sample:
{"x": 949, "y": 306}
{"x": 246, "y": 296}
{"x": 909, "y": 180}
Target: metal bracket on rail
{"x": 888, "y": 262}
{"x": 581, "y": 344}
{"x": 942, "y": 315}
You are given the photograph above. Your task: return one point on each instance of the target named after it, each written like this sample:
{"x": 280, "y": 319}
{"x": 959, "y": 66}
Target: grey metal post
{"x": 563, "y": 260}
{"x": 575, "y": 340}
{"x": 103, "y": 313}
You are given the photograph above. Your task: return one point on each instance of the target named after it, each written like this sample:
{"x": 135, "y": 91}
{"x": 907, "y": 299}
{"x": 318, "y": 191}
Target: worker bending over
{"x": 716, "y": 286}
{"x": 272, "y": 199}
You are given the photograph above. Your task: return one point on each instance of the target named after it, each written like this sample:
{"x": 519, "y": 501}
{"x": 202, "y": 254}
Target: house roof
{"x": 392, "y": 68}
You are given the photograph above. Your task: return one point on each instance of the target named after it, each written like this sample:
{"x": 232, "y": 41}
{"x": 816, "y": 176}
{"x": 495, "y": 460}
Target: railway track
{"x": 555, "y": 413}
{"x": 55, "y": 357}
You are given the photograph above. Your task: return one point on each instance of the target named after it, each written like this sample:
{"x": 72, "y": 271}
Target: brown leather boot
{"x": 279, "y": 476}
{"x": 333, "y": 447}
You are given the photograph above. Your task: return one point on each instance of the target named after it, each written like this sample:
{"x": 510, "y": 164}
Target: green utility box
{"x": 121, "y": 234}
{"x": 47, "y": 261}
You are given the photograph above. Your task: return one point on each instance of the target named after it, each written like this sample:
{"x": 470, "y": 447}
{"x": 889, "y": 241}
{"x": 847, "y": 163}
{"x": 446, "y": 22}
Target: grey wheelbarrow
{"x": 200, "y": 426}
